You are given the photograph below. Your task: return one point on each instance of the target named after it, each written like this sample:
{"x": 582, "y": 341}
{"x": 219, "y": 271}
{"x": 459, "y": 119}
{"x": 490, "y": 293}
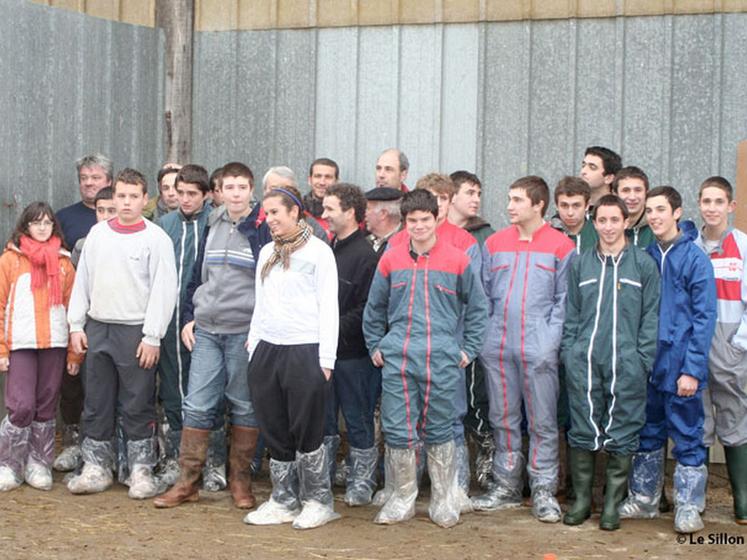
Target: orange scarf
{"x": 45, "y": 266}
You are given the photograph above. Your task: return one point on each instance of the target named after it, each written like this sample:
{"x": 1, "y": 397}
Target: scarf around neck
{"x": 285, "y": 245}
{"x": 45, "y": 266}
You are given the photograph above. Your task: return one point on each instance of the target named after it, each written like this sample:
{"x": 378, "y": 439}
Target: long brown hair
{"x": 36, "y": 211}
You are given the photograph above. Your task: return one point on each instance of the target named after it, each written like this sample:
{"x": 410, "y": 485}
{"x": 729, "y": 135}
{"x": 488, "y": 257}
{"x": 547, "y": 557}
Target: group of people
{"x": 613, "y": 326}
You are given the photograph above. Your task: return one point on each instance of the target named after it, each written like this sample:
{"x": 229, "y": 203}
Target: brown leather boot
{"x": 243, "y": 446}
{"x": 192, "y": 454}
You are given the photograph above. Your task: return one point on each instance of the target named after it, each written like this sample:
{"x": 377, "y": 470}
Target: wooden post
{"x": 176, "y": 18}
{"x": 740, "y": 185}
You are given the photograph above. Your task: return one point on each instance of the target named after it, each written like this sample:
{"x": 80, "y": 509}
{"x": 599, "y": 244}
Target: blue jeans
{"x": 354, "y": 384}
{"x": 219, "y": 367}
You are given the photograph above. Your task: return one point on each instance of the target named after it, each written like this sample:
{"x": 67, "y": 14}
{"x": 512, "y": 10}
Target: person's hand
{"x": 147, "y": 354}
{"x": 327, "y": 373}
{"x": 4, "y": 364}
{"x": 687, "y": 385}
{"x": 464, "y": 362}
{"x": 188, "y": 335}
{"x": 79, "y": 341}
{"x": 377, "y": 359}
{"x": 73, "y": 369}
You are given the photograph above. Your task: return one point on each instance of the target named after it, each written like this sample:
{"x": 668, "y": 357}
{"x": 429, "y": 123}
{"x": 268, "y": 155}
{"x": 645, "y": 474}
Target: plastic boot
{"x": 283, "y": 505}
{"x": 243, "y": 445}
{"x": 484, "y": 460}
{"x": 141, "y": 457}
{"x": 259, "y": 456}
{"x": 445, "y": 505}
{"x": 545, "y": 506}
{"x": 382, "y": 496}
{"x": 462, "y": 466}
{"x": 362, "y": 479}
{"x": 618, "y": 467}
{"x": 581, "y": 465}
{"x": 736, "y": 463}
{"x": 421, "y": 460}
{"x": 167, "y": 470}
{"x": 689, "y": 497}
{"x": 14, "y": 448}
{"x": 505, "y": 490}
{"x": 38, "y": 472}
{"x": 192, "y": 454}
{"x": 341, "y": 473}
{"x": 214, "y": 472}
{"x": 331, "y": 446}
{"x": 645, "y": 483}
{"x": 98, "y": 462}
{"x": 69, "y": 458}
{"x": 400, "y": 506}
{"x": 315, "y": 490}
{"x": 123, "y": 465}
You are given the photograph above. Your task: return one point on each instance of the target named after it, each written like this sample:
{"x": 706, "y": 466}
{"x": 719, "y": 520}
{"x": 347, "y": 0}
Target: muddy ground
{"x": 57, "y": 524}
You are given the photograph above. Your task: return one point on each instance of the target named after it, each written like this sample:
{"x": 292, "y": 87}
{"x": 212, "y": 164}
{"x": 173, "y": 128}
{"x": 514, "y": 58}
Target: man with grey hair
{"x": 391, "y": 169}
{"x": 94, "y": 174}
{"x": 382, "y": 216}
{"x": 279, "y": 177}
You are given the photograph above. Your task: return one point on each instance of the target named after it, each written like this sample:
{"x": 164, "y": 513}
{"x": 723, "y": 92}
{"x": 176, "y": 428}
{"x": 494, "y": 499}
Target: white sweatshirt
{"x": 298, "y": 305}
{"x": 126, "y": 279}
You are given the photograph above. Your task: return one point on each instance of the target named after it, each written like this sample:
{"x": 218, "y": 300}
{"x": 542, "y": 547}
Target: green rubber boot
{"x": 581, "y": 463}
{"x": 616, "y": 487}
{"x": 736, "y": 464}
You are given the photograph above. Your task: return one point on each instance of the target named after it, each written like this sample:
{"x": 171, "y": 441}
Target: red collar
{"x": 121, "y": 228}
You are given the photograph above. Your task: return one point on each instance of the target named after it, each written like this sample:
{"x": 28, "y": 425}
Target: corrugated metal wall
{"x": 71, "y": 84}
{"x": 504, "y": 98}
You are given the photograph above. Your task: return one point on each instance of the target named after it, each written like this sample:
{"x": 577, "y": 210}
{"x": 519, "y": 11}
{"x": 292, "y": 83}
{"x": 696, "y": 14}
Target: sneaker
{"x": 37, "y": 475}
{"x": 91, "y": 480}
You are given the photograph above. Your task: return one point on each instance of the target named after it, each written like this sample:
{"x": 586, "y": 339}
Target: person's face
{"x": 660, "y": 217}
{"x": 339, "y": 220}
{"x": 592, "y": 171}
{"x": 572, "y": 210}
{"x": 632, "y": 190}
{"x": 190, "y": 197}
{"x": 280, "y": 220}
{"x": 275, "y": 181}
{"x": 443, "y": 204}
{"x": 467, "y": 199}
{"x": 388, "y": 173}
{"x": 322, "y": 177}
{"x": 715, "y": 207}
{"x": 168, "y": 191}
{"x": 237, "y": 194}
{"x": 105, "y": 210}
{"x": 41, "y": 228}
{"x": 129, "y": 201}
{"x": 520, "y": 208}
{"x": 421, "y": 226}
{"x": 92, "y": 180}
{"x": 610, "y": 224}
{"x": 373, "y": 217}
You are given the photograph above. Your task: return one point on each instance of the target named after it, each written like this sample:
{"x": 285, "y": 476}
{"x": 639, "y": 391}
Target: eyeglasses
{"x": 41, "y": 223}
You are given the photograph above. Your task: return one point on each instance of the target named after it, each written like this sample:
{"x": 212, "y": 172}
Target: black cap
{"x": 383, "y": 193}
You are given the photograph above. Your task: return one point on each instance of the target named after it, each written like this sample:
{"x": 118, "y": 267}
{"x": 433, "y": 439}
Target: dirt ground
{"x": 57, "y": 524}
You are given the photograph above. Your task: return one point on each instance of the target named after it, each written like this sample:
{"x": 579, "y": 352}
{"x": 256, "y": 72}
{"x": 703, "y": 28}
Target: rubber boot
{"x": 689, "y": 497}
{"x": 192, "y": 456}
{"x": 618, "y": 467}
{"x": 736, "y": 464}
{"x": 581, "y": 464}
{"x": 401, "y": 504}
{"x": 240, "y": 455}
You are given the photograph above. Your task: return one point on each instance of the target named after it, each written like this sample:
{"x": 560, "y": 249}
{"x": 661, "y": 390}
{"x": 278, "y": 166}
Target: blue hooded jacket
{"x": 687, "y": 311}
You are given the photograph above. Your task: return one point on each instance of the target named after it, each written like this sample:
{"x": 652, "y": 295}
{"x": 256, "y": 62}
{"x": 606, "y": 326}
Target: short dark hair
{"x": 611, "y": 162}
{"x": 536, "y": 189}
{"x": 216, "y": 179}
{"x": 325, "y": 161}
{"x": 720, "y": 183}
{"x": 194, "y": 175}
{"x": 163, "y": 172}
{"x": 238, "y": 169}
{"x": 630, "y": 172}
{"x": 350, "y": 196}
{"x": 572, "y": 186}
{"x": 462, "y": 176}
{"x": 130, "y": 176}
{"x": 610, "y": 200}
{"x": 32, "y": 212}
{"x": 107, "y": 193}
{"x": 670, "y": 193}
{"x": 419, "y": 200}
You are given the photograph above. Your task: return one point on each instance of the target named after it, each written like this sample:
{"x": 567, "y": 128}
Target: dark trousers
{"x": 32, "y": 385}
{"x": 477, "y": 419}
{"x": 113, "y": 376}
{"x": 289, "y": 392}
{"x": 71, "y": 397}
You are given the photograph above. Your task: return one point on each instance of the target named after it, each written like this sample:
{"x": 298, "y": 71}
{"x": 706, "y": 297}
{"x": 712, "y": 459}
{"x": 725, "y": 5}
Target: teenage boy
{"x": 572, "y": 195}
{"x": 217, "y": 313}
{"x": 166, "y": 201}
{"x": 598, "y": 168}
{"x": 674, "y": 401}
{"x": 132, "y": 259}
{"x": 608, "y": 348}
{"x": 725, "y": 397}
{"x": 631, "y": 185}
{"x": 354, "y": 383}
{"x": 105, "y": 210}
{"x": 525, "y": 275}
{"x": 422, "y": 290}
